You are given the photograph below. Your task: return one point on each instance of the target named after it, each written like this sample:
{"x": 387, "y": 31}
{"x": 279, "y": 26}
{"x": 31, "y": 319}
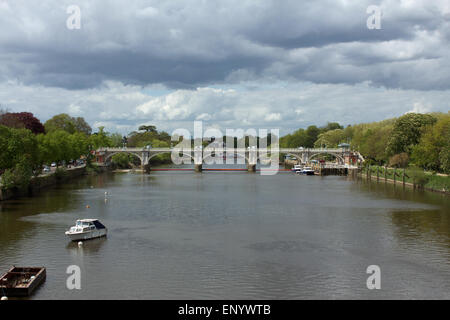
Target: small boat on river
{"x": 297, "y": 168}
{"x": 21, "y": 281}
{"x": 86, "y": 229}
{"x": 307, "y": 171}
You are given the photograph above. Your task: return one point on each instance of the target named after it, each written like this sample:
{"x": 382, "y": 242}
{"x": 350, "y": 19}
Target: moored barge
{"x": 21, "y": 281}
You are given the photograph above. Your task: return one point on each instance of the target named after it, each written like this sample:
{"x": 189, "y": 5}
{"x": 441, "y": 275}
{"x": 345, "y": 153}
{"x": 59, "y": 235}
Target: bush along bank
{"x": 40, "y": 182}
{"x": 412, "y": 177}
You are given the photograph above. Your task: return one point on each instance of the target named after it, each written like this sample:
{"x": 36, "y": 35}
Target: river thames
{"x": 233, "y": 235}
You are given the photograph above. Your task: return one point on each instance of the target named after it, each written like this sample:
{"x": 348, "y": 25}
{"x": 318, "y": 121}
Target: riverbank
{"x": 434, "y": 182}
{"x": 43, "y": 181}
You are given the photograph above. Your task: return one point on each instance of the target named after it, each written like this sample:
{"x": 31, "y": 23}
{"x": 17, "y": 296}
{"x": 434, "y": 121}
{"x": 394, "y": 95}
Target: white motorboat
{"x": 297, "y": 168}
{"x": 86, "y": 229}
{"x": 307, "y": 171}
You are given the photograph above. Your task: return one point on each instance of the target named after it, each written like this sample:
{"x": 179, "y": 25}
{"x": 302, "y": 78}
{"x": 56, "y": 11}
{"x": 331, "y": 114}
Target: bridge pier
{"x": 146, "y": 168}
{"x": 198, "y": 168}
{"x": 251, "y": 167}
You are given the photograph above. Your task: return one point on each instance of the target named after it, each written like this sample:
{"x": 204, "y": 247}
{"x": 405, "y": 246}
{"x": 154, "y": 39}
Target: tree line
{"x": 27, "y": 145}
{"x": 414, "y": 139}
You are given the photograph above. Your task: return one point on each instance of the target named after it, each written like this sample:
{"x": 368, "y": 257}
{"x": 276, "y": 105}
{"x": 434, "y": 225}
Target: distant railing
{"x": 282, "y": 150}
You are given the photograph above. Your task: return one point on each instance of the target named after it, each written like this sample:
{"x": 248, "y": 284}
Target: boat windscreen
{"x": 98, "y": 225}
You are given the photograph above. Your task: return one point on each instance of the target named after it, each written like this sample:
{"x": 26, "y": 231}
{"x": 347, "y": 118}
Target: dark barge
{"x": 21, "y": 281}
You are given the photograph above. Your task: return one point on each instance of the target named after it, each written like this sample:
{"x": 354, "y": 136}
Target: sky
{"x": 281, "y": 64}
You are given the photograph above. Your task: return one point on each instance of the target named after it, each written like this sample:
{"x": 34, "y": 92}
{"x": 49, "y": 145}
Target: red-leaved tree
{"x": 22, "y": 120}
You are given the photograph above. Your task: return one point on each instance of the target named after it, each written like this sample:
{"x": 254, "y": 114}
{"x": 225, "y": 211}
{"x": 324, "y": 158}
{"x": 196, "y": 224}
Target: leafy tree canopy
{"x": 147, "y": 128}
{"x": 407, "y": 131}
{"x": 433, "y": 150}
{"x": 67, "y": 123}
{"x": 20, "y": 120}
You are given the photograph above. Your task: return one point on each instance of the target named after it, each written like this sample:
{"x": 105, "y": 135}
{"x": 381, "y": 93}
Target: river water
{"x": 233, "y": 235}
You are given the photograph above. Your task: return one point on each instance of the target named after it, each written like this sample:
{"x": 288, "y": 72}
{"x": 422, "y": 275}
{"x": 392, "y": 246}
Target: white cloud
{"x": 236, "y": 63}
{"x": 74, "y": 109}
{"x": 123, "y": 108}
{"x": 420, "y": 107}
{"x": 204, "y": 117}
{"x": 272, "y": 117}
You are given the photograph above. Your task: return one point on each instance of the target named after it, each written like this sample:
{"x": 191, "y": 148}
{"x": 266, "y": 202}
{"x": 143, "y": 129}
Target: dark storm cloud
{"x": 186, "y": 44}
{"x": 134, "y": 68}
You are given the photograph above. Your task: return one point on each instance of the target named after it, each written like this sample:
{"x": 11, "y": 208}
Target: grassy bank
{"x": 413, "y": 176}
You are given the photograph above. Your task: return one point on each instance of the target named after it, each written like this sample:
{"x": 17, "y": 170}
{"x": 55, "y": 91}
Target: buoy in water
{"x": 106, "y": 192}
{"x": 80, "y": 243}
{"x": 4, "y": 298}
{"x": 88, "y": 206}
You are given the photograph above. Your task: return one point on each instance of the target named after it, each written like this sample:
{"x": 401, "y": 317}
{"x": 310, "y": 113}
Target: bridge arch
{"x": 337, "y": 156}
{"x": 124, "y": 151}
{"x": 296, "y": 156}
{"x": 164, "y": 152}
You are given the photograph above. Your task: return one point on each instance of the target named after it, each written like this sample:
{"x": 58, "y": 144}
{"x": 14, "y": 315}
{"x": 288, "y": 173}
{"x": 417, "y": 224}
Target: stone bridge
{"x": 250, "y": 155}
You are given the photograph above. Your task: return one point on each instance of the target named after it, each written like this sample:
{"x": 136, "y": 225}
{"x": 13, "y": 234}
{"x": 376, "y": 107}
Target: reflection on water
{"x": 180, "y": 235}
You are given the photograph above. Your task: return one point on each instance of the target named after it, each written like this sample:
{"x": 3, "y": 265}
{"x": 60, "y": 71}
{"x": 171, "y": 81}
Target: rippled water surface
{"x": 224, "y": 235}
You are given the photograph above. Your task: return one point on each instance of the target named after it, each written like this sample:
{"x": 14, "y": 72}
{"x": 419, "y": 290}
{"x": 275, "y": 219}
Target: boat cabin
{"x": 84, "y": 225}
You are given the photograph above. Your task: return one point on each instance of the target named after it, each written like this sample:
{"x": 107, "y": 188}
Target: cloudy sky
{"x": 232, "y": 63}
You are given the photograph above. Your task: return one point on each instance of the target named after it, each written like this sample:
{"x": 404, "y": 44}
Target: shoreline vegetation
{"x": 417, "y": 143}
{"x": 42, "y": 182}
{"x": 415, "y": 179}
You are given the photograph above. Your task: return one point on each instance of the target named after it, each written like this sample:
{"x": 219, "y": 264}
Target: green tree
{"x": 79, "y": 144}
{"x": 161, "y": 158}
{"x": 67, "y": 123}
{"x": 147, "y": 128}
{"x": 330, "y": 138}
{"x": 407, "y": 132}
{"x": 116, "y": 140}
{"x": 61, "y": 144}
{"x": 100, "y": 139}
{"x": 331, "y": 126}
{"x": 18, "y": 146}
{"x": 312, "y": 133}
{"x": 121, "y": 160}
{"x": 17, "y": 177}
{"x": 141, "y": 139}
{"x": 433, "y": 150}
{"x": 19, "y": 157}
{"x": 82, "y": 126}
{"x": 370, "y": 139}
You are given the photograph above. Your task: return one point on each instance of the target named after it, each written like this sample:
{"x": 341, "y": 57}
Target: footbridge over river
{"x": 249, "y": 156}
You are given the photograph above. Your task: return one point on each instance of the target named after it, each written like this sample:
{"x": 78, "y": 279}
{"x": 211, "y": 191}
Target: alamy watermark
{"x": 374, "y": 280}
{"x": 74, "y": 279}
{"x": 374, "y": 20}
{"x": 74, "y": 20}
{"x": 251, "y": 146}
